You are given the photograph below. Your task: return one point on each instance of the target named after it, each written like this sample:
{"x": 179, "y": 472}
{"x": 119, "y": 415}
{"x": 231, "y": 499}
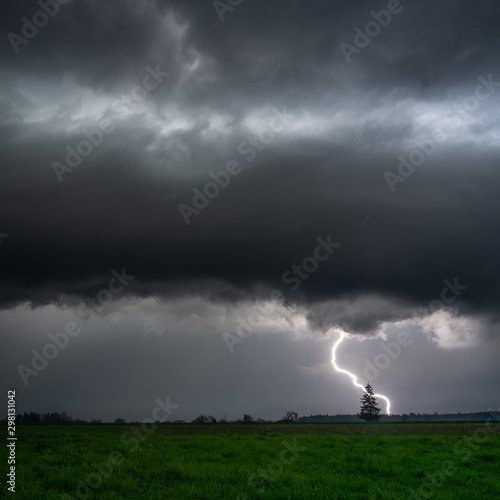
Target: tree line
{"x": 43, "y": 418}
{"x": 63, "y": 418}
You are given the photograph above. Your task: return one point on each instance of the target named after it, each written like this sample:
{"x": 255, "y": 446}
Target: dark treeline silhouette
{"x": 290, "y": 417}
{"x": 33, "y": 417}
{"x": 63, "y": 418}
{"x": 410, "y": 417}
{"x": 247, "y": 419}
{"x": 43, "y": 418}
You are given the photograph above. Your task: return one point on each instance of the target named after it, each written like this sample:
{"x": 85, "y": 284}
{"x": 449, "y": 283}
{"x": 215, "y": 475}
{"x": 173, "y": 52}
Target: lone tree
{"x": 369, "y": 407}
{"x": 291, "y": 416}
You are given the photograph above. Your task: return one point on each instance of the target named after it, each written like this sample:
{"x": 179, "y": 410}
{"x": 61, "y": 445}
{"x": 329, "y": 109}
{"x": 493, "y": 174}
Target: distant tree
{"x": 247, "y": 419}
{"x": 66, "y": 418}
{"x": 45, "y": 418}
{"x": 56, "y": 418}
{"x": 120, "y": 421}
{"x": 369, "y": 407}
{"x": 291, "y": 416}
{"x": 203, "y": 419}
{"x": 30, "y": 418}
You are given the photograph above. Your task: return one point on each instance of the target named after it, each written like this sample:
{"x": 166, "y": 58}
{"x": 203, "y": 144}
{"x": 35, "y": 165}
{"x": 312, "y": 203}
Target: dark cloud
{"x": 438, "y": 225}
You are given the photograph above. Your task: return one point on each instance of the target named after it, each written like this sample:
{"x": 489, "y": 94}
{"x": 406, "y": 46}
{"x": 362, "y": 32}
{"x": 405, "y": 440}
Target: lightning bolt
{"x": 353, "y": 377}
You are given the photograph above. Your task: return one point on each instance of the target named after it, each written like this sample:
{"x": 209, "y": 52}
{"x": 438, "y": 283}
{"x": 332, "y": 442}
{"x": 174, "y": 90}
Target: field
{"x": 342, "y": 461}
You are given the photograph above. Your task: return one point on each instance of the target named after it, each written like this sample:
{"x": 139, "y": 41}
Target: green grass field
{"x": 342, "y": 461}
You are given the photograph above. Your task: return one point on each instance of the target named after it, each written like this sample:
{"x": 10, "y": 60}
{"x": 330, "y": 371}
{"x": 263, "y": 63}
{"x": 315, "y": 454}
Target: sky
{"x": 198, "y": 198}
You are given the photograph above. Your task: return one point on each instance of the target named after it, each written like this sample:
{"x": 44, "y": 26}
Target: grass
{"x": 342, "y": 461}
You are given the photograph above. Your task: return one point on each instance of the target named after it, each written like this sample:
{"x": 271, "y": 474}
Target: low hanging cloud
{"x": 321, "y": 174}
